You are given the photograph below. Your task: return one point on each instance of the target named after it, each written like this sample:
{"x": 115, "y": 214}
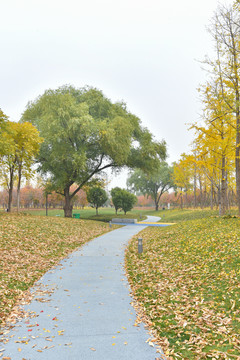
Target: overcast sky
{"x": 142, "y": 52}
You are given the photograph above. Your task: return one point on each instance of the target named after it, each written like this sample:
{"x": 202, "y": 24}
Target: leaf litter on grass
{"x": 31, "y": 245}
{"x": 187, "y": 285}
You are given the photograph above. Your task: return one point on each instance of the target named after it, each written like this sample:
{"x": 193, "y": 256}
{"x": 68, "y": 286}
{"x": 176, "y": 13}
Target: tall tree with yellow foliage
{"x": 215, "y": 141}
{"x": 24, "y": 142}
{"x": 225, "y": 31}
{"x": 182, "y": 175}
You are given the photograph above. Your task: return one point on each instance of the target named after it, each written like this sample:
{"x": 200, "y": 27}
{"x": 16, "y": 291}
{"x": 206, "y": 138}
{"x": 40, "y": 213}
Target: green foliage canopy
{"x": 122, "y": 199}
{"x": 97, "y": 197}
{"x": 155, "y": 184}
{"x": 116, "y": 198}
{"x": 128, "y": 201}
{"x": 85, "y": 133}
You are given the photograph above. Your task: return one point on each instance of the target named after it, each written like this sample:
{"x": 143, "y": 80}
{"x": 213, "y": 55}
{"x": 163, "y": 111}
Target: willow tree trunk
{"x": 68, "y": 203}
{"x": 46, "y": 204}
{"x": 156, "y": 202}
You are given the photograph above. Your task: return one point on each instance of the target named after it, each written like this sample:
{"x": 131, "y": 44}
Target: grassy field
{"x": 30, "y": 245}
{"x": 105, "y": 214}
{"x": 178, "y": 215}
{"x": 187, "y": 283}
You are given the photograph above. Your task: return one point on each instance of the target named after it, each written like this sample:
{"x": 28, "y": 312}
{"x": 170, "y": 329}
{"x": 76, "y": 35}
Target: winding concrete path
{"x": 82, "y": 309}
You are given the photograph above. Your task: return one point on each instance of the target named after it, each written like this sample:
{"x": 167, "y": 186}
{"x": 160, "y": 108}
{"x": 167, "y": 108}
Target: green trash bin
{"x": 76, "y": 216}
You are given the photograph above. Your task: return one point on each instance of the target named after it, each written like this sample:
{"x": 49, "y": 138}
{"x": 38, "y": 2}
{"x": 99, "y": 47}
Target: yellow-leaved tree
{"x": 23, "y": 145}
{"x": 214, "y": 143}
{"x": 182, "y": 176}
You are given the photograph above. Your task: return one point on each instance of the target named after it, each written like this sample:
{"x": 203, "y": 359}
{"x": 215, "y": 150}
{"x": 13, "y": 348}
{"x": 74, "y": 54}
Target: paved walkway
{"x": 151, "y": 221}
{"x": 82, "y": 309}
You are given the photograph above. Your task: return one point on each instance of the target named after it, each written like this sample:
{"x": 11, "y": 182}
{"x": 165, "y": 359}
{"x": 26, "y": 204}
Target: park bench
{"x": 120, "y": 220}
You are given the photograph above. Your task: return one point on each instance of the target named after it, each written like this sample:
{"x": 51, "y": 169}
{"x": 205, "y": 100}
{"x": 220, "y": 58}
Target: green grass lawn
{"x": 177, "y": 215}
{"x": 105, "y": 214}
{"x": 187, "y": 283}
{"x": 31, "y": 245}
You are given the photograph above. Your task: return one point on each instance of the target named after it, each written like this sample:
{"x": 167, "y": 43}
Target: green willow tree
{"x": 155, "y": 184}
{"x": 85, "y": 133}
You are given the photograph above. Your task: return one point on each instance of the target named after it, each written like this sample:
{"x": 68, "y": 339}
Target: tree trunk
{"x": 201, "y": 193}
{"x": 195, "y": 184}
{"x": 46, "y": 204}
{"x": 211, "y": 195}
{"x": 156, "y": 202}
{"x": 96, "y": 210}
{"x": 219, "y": 202}
{"x": 235, "y": 52}
{"x": 68, "y": 203}
{"x": 223, "y": 188}
{"x": 19, "y": 186}
{"x": 181, "y": 199}
{"x": 237, "y": 163}
{"x": 205, "y": 192}
{"x": 10, "y": 190}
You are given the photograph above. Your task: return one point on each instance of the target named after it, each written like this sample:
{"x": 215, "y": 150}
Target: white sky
{"x": 141, "y": 51}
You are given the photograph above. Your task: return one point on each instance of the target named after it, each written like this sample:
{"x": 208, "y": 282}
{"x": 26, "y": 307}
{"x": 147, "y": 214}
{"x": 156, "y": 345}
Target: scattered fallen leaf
{"x": 18, "y": 239}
